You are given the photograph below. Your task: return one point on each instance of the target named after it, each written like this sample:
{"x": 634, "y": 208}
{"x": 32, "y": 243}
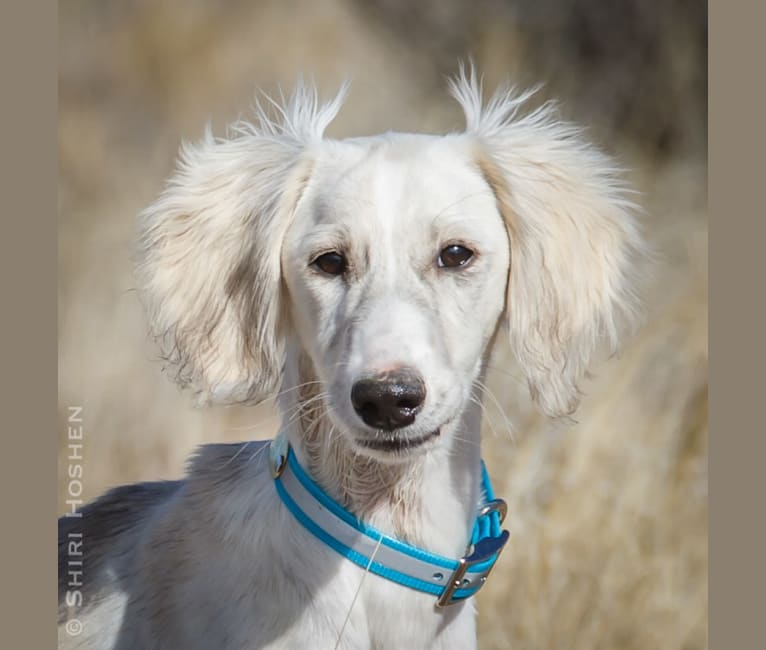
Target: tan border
{"x": 27, "y": 59}
{"x": 738, "y": 233}
{"x": 28, "y": 43}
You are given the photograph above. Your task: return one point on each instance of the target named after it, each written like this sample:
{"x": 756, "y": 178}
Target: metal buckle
{"x": 482, "y": 551}
{"x": 278, "y": 450}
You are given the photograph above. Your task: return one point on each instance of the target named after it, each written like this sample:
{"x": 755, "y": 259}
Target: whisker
{"x": 299, "y": 408}
{"x": 292, "y": 388}
{"x": 518, "y": 379}
{"x": 468, "y": 441}
{"x": 485, "y": 412}
{"x": 242, "y": 448}
{"x": 257, "y": 453}
{"x": 460, "y": 200}
{"x": 492, "y": 396}
{"x": 257, "y": 423}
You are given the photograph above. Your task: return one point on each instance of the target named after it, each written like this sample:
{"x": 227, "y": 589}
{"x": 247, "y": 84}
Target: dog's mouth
{"x": 390, "y": 442}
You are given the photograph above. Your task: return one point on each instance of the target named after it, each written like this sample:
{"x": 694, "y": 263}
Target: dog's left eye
{"x": 331, "y": 263}
{"x": 455, "y": 255}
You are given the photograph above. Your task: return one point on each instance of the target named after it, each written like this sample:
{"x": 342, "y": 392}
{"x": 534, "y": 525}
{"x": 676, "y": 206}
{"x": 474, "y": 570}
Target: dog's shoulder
{"x": 136, "y": 540}
{"x": 115, "y": 512}
{"x": 97, "y": 536}
{"x": 118, "y": 508}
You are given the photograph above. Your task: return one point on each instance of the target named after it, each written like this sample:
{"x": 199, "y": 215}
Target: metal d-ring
{"x": 496, "y": 505}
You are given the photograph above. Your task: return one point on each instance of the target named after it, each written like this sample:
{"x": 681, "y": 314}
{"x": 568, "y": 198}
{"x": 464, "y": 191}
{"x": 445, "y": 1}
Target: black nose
{"x": 390, "y": 400}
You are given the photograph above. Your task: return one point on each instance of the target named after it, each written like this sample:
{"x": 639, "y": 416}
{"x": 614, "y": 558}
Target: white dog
{"x": 367, "y": 278}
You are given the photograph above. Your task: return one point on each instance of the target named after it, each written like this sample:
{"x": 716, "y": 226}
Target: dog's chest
{"x": 398, "y": 617}
{"x": 380, "y": 615}
{"x": 344, "y": 608}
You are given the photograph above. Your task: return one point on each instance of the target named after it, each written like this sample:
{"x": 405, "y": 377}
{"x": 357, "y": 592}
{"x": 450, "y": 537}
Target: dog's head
{"x": 389, "y": 261}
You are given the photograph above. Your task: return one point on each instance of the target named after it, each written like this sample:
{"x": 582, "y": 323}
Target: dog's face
{"x": 390, "y": 260}
{"x": 396, "y": 265}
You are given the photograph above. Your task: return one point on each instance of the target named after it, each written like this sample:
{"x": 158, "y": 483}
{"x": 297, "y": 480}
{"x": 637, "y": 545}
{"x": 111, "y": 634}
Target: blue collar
{"x": 450, "y": 580}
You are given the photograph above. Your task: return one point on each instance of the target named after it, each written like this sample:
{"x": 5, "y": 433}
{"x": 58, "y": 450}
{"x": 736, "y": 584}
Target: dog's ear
{"x": 573, "y": 240}
{"x": 209, "y": 251}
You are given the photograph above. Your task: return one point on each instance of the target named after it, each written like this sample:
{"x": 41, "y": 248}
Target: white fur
{"x": 225, "y": 269}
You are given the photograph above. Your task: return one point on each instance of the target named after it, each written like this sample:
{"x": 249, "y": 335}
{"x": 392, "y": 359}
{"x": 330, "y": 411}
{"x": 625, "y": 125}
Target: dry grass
{"x": 608, "y": 517}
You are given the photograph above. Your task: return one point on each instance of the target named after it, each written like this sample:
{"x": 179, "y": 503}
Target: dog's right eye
{"x": 331, "y": 263}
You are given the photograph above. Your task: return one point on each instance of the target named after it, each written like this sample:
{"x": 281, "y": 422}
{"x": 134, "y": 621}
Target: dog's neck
{"x": 429, "y": 501}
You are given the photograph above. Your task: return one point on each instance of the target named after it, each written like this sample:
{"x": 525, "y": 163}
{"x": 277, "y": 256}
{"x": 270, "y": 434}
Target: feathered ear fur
{"x": 209, "y": 250}
{"x": 572, "y": 233}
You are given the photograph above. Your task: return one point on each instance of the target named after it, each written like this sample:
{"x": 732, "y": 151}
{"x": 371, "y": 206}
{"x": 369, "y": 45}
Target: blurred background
{"x": 608, "y": 517}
